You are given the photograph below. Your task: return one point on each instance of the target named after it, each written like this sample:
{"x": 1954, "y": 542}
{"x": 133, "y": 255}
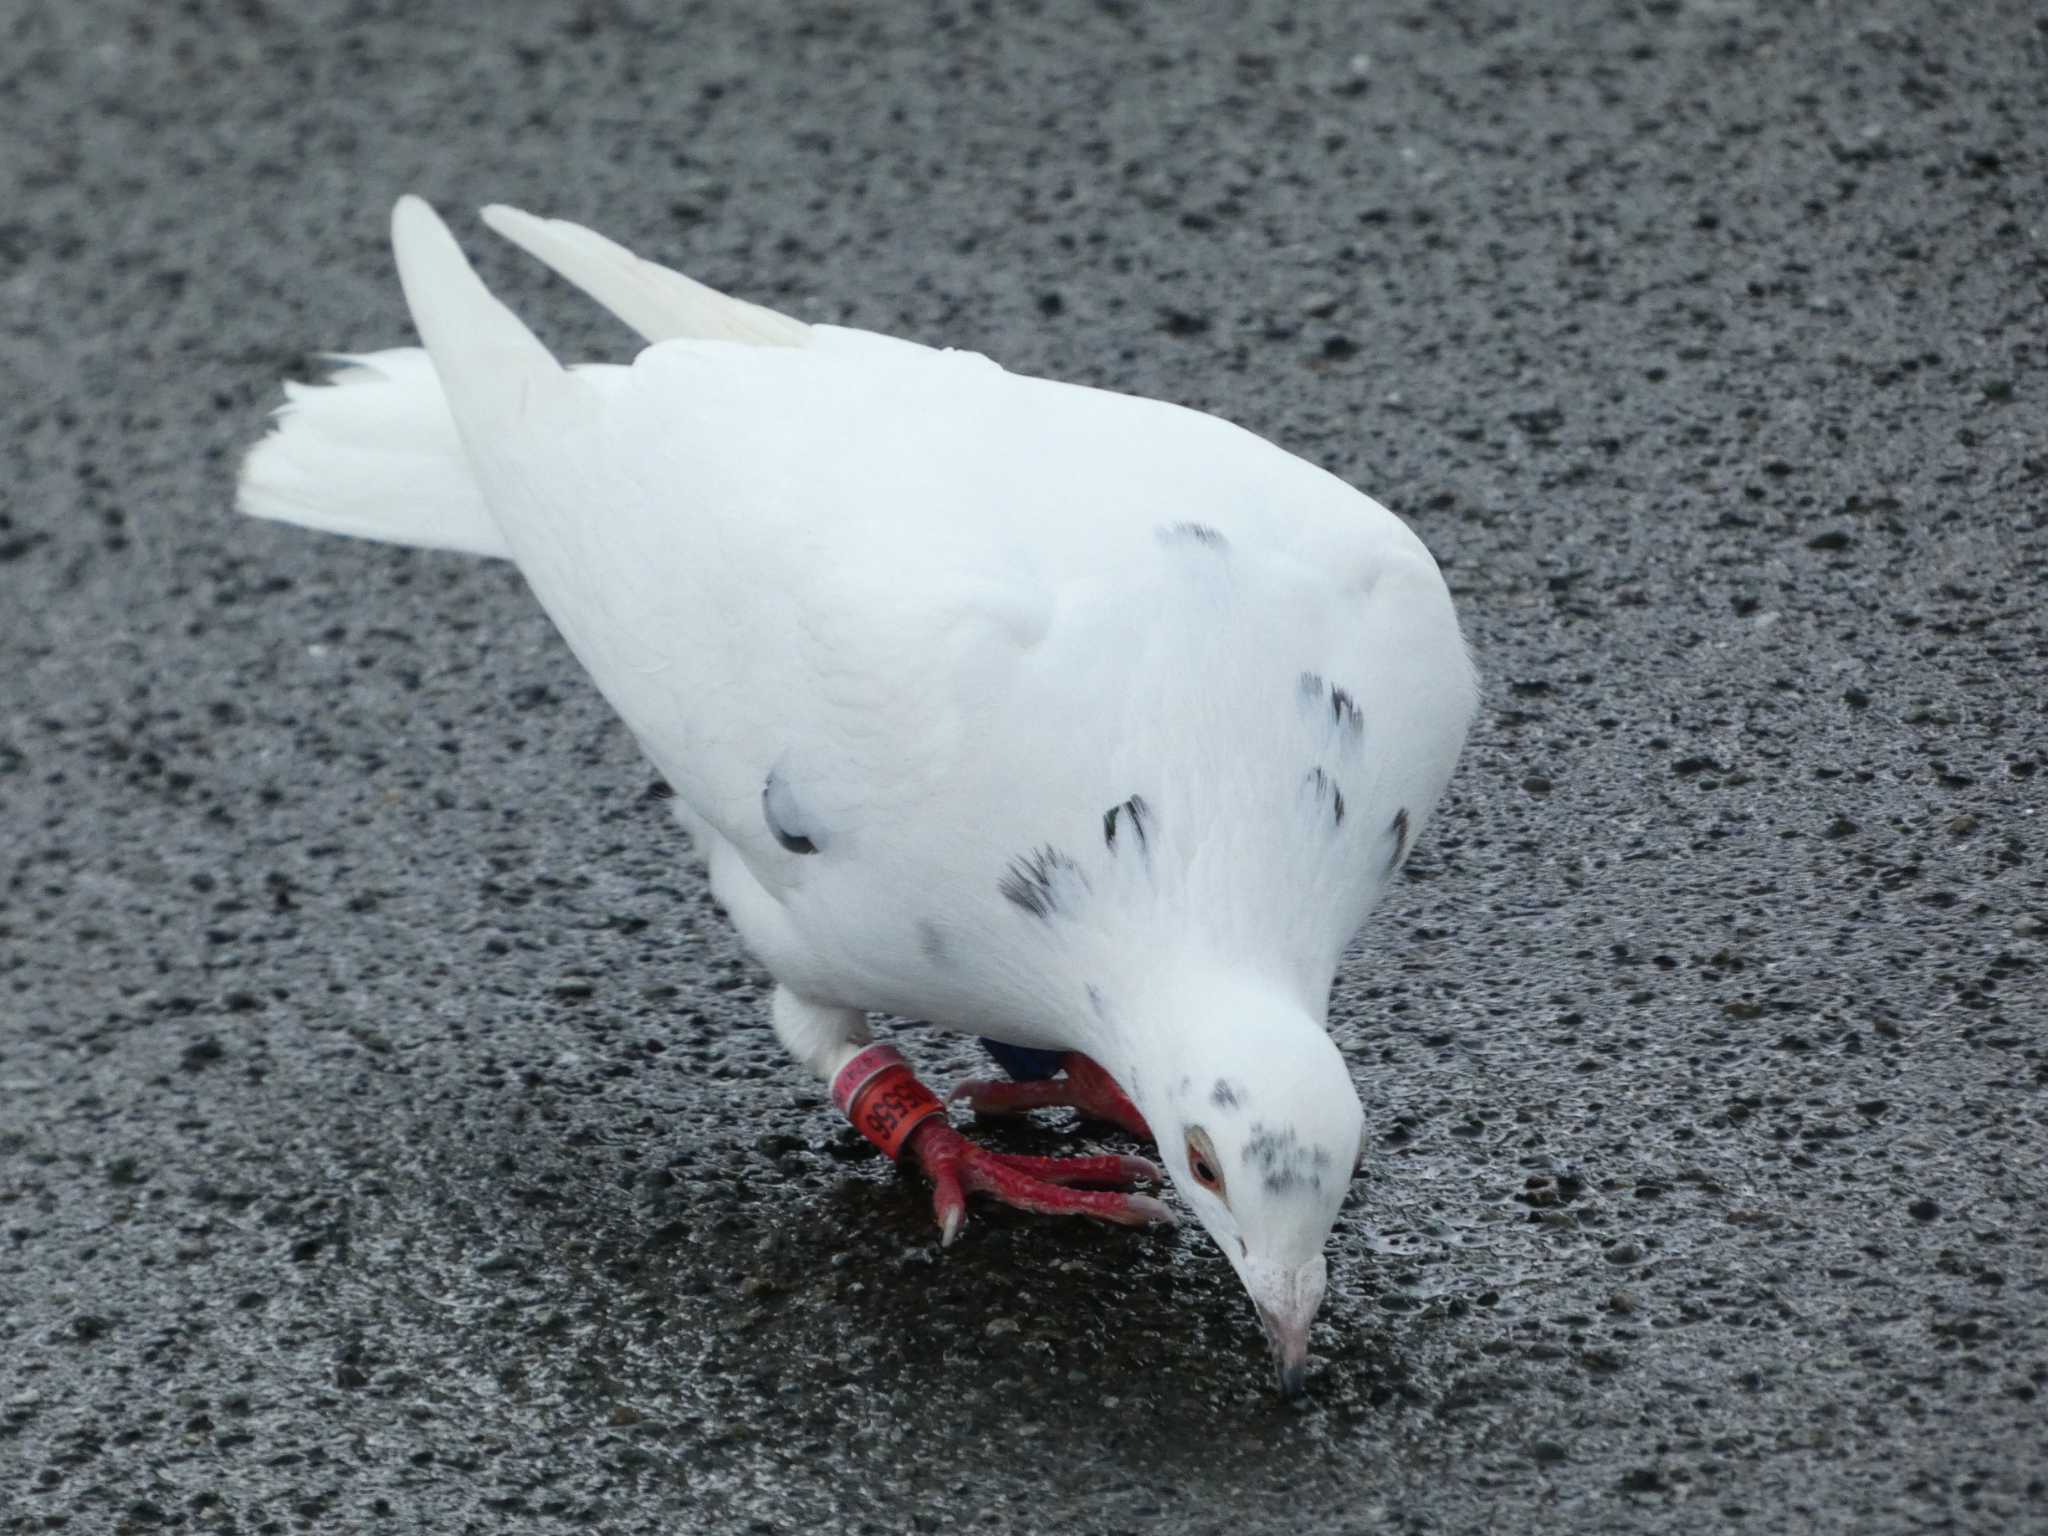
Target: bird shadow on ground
{"x": 729, "y": 1317}
{"x": 1065, "y": 1335}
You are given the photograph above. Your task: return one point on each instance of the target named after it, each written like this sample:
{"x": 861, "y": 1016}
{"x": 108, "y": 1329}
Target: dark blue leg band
{"x": 1024, "y": 1064}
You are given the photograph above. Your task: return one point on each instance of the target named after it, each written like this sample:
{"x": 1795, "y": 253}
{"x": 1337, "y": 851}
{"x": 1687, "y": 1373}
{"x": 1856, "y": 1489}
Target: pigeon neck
{"x": 1200, "y": 1014}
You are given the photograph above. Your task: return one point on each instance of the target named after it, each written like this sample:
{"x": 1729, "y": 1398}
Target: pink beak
{"x": 1287, "y": 1300}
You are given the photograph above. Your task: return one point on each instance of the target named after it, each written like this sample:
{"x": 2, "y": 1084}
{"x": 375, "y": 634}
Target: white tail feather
{"x": 375, "y": 451}
{"x": 372, "y": 452}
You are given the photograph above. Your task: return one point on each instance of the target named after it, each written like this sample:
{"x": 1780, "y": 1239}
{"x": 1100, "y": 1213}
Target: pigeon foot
{"x": 1050, "y": 1186}
{"x": 1085, "y": 1088}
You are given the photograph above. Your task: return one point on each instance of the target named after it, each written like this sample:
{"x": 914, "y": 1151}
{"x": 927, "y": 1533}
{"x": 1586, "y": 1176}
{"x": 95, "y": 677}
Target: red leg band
{"x": 879, "y": 1093}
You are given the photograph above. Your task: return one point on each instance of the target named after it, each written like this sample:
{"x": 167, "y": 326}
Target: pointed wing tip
{"x": 560, "y": 245}
{"x": 504, "y": 219}
{"x": 412, "y": 210}
{"x": 417, "y": 228}
{"x": 659, "y": 303}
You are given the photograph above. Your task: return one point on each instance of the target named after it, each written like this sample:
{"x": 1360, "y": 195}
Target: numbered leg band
{"x": 879, "y": 1093}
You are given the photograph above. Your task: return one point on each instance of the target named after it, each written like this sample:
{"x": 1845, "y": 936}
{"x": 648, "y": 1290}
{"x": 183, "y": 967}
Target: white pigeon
{"x": 1082, "y": 722}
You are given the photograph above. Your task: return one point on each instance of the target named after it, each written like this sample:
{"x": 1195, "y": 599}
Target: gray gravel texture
{"x": 389, "y": 1135}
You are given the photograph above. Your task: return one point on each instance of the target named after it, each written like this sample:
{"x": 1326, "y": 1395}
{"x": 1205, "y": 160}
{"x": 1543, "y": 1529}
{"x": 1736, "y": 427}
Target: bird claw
{"x": 1097, "y": 1187}
{"x": 1085, "y": 1088}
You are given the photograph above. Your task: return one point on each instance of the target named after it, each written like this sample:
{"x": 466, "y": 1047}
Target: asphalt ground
{"x": 390, "y": 1137}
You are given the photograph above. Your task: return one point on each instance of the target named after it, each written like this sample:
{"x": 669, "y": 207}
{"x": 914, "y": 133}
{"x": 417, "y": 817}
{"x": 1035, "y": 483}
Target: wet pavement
{"x": 390, "y": 1137}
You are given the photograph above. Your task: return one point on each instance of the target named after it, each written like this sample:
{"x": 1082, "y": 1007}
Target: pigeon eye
{"x": 1203, "y": 1163}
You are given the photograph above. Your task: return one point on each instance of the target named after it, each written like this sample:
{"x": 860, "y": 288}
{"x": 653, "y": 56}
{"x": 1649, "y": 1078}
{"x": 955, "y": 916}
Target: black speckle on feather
{"x": 931, "y": 942}
{"x": 1134, "y": 811}
{"x": 1345, "y": 712}
{"x": 1398, "y": 829}
{"x": 779, "y": 810}
{"x": 1323, "y": 787}
{"x": 1282, "y": 1162}
{"x": 1344, "y": 709}
{"x": 1193, "y": 533}
{"x": 1035, "y": 881}
{"x": 1226, "y": 1094}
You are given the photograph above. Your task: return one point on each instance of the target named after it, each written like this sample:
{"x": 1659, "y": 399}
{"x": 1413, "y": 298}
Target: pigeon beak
{"x": 1290, "y": 1354}
{"x": 1287, "y": 1301}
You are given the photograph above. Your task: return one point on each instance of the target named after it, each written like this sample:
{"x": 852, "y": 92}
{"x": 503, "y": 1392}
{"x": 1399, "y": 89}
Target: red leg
{"x": 887, "y": 1104}
{"x": 1085, "y": 1088}
{"x": 1046, "y": 1185}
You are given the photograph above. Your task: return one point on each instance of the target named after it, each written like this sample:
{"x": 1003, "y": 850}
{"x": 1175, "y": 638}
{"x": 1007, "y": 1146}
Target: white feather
{"x": 915, "y": 581}
{"x": 372, "y": 452}
{"x": 660, "y": 304}
{"x": 940, "y": 620}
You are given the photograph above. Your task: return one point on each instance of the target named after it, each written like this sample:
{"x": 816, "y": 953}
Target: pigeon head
{"x": 1261, "y": 1130}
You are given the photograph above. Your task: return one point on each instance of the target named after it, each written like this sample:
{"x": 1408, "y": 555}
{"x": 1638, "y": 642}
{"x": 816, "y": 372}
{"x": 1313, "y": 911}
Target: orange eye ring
{"x": 1203, "y": 1165}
